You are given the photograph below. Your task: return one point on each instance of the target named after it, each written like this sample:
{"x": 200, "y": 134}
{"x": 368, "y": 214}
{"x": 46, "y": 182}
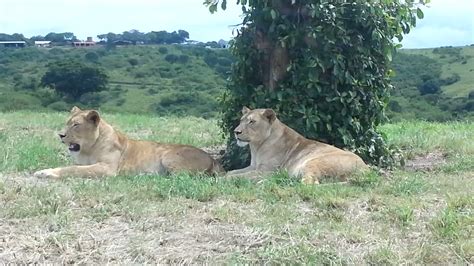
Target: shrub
{"x": 92, "y": 57}
{"x": 183, "y": 59}
{"x": 172, "y": 58}
{"x": 471, "y": 95}
{"x": 469, "y": 106}
{"x": 210, "y": 59}
{"x": 394, "y": 106}
{"x": 19, "y": 102}
{"x": 429, "y": 87}
{"x": 133, "y": 61}
{"x": 93, "y": 99}
{"x": 120, "y": 102}
{"x": 223, "y": 61}
{"x": 59, "y": 106}
{"x": 163, "y": 50}
{"x": 152, "y": 91}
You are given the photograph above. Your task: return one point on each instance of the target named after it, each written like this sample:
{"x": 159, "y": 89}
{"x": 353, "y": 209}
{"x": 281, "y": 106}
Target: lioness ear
{"x": 245, "y": 110}
{"x": 269, "y": 114}
{"x": 93, "y": 116}
{"x": 75, "y": 109}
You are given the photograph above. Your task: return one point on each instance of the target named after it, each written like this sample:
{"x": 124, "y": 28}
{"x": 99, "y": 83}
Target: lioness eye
{"x": 75, "y": 124}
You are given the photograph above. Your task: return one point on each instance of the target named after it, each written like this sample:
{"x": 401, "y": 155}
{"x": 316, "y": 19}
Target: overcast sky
{"x": 447, "y": 22}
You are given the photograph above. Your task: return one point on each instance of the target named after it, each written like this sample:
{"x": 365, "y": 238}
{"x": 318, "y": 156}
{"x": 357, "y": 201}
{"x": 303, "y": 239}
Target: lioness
{"x": 273, "y": 145}
{"x": 99, "y": 150}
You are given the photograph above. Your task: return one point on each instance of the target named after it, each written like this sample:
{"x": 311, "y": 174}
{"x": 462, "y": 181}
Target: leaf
{"x": 213, "y": 8}
{"x": 273, "y": 14}
{"x": 224, "y": 4}
{"x": 419, "y": 13}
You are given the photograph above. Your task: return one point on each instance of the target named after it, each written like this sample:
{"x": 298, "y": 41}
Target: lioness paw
{"x": 46, "y": 173}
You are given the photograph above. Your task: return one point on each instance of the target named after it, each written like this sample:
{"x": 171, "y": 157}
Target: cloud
{"x": 430, "y": 36}
{"x": 93, "y": 17}
{"x": 446, "y": 22}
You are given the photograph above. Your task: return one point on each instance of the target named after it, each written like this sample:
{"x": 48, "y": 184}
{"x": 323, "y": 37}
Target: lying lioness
{"x": 274, "y": 146}
{"x": 99, "y": 150}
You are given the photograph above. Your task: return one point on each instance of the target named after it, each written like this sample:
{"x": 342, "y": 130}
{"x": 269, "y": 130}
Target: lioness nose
{"x": 237, "y": 132}
{"x": 61, "y": 135}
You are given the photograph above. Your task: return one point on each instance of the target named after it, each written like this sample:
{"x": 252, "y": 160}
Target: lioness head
{"x": 255, "y": 126}
{"x": 81, "y": 130}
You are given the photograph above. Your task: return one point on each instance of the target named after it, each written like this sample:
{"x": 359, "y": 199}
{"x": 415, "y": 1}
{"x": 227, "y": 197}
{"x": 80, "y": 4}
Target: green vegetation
{"x": 322, "y": 66}
{"x": 142, "y": 79}
{"x": 407, "y": 216}
{"x": 433, "y": 84}
{"x": 74, "y": 79}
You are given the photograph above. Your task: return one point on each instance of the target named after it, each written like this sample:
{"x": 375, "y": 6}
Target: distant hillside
{"x": 429, "y": 84}
{"x": 418, "y": 75}
{"x": 160, "y": 79}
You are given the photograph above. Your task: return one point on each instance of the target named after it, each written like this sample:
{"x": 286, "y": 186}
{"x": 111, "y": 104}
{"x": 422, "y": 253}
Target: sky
{"x": 446, "y": 22}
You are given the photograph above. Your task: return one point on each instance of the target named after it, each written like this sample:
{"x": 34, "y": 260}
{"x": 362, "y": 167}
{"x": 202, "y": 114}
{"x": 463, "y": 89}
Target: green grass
{"x": 404, "y": 216}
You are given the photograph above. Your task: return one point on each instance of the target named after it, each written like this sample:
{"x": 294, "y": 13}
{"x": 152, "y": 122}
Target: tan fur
{"x": 105, "y": 152}
{"x": 274, "y": 146}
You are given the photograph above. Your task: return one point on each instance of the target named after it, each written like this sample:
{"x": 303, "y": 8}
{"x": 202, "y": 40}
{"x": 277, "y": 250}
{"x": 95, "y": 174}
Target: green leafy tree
{"x": 73, "y": 79}
{"x": 60, "y": 38}
{"x": 322, "y": 65}
{"x": 429, "y": 87}
{"x": 92, "y": 57}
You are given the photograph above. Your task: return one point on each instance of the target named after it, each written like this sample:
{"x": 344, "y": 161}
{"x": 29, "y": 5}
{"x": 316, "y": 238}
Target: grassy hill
{"x": 453, "y": 60}
{"x": 449, "y": 68}
{"x": 419, "y": 214}
{"x": 143, "y": 79}
{"x": 188, "y": 80}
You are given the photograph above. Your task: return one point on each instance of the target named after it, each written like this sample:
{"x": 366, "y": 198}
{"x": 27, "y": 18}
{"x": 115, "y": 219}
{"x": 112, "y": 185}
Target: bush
{"x": 471, "y": 95}
{"x": 183, "y": 59}
{"x": 152, "y": 91}
{"x": 172, "y": 58}
{"x": 469, "y": 106}
{"x": 163, "y": 50}
{"x": 133, "y": 61}
{"x": 56, "y": 51}
{"x": 93, "y": 99}
{"x": 223, "y": 61}
{"x": 394, "y": 106}
{"x": 210, "y": 59}
{"x": 31, "y": 84}
{"x": 429, "y": 87}
{"x": 177, "y": 103}
{"x": 19, "y": 102}
{"x": 59, "y": 106}
{"x": 92, "y": 57}
{"x": 140, "y": 74}
{"x": 120, "y": 102}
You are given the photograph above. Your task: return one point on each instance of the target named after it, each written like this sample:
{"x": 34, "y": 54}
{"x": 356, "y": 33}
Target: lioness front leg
{"x": 94, "y": 170}
{"x": 241, "y": 171}
{"x": 252, "y": 174}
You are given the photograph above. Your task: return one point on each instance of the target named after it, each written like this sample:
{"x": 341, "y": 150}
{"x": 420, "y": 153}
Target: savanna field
{"x": 419, "y": 213}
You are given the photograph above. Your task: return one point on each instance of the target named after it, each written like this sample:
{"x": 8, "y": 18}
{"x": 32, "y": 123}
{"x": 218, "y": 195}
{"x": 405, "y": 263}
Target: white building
{"x": 42, "y": 43}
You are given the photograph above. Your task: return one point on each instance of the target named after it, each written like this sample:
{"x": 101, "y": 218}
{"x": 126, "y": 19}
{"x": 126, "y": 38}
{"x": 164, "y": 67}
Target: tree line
{"x": 131, "y": 36}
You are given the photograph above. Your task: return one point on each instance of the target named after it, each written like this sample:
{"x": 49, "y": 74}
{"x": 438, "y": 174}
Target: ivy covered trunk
{"x": 321, "y": 65}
